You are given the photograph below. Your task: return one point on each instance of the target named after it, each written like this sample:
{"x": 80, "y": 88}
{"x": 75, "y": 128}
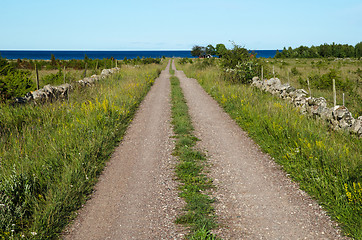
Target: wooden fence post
{"x": 85, "y": 70}
{"x": 64, "y": 74}
{"x": 310, "y": 93}
{"x": 343, "y": 99}
{"x": 37, "y": 76}
{"x": 334, "y": 93}
{"x": 273, "y": 72}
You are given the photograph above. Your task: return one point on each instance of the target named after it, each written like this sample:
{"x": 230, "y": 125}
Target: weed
{"x": 199, "y": 214}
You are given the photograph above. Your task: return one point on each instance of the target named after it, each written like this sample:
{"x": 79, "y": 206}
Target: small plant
{"x": 294, "y": 71}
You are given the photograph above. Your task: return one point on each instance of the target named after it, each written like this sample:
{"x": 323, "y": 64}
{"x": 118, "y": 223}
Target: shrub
{"x": 238, "y": 65}
{"x": 185, "y": 60}
{"x": 203, "y": 63}
{"x": 5, "y": 67}
{"x": 54, "y": 78}
{"x": 294, "y": 71}
{"x": 15, "y": 84}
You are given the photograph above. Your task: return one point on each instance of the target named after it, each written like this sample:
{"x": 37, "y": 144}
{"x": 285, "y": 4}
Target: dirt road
{"x": 256, "y": 200}
{"x": 136, "y": 197}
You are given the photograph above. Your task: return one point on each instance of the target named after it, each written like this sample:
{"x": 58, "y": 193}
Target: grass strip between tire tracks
{"x": 199, "y": 214}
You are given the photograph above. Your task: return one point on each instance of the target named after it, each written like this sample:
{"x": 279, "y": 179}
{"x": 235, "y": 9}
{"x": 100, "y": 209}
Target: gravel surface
{"x": 255, "y": 198}
{"x": 136, "y": 196}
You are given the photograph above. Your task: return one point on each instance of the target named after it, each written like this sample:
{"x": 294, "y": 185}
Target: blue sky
{"x": 156, "y": 25}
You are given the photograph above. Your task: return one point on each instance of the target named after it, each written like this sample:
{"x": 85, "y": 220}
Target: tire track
{"x": 256, "y": 200}
{"x": 136, "y": 197}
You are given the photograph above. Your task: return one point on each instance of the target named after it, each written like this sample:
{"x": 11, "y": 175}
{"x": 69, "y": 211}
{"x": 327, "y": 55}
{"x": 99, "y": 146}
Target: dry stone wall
{"x": 51, "y": 93}
{"x": 338, "y": 117}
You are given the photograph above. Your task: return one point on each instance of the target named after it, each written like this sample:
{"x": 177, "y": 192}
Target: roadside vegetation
{"x": 320, "y": 73}
{"x": 51, "y": 155}
{"x": 18, "y": 77}
{"x": 326, "y": 164}
{"x": 199, "y": 214}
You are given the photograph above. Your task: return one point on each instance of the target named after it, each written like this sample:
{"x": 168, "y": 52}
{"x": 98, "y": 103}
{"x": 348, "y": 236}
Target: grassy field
{"x": 198, "y": 214}
{"x": 326, "y": 164}
{"x": 347, "y": 71}
{"x": 51, "y": 155}
{"x": 53, "y": 77}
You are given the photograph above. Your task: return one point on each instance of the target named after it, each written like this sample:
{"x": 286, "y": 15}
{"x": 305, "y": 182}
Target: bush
{"x": 294, "y": 71}
{"x": 185, "y": 60}
{"x": 15, "y": 84}
{"x": 203, "y": 63}
{"x": 325, "y": 81}
{"x": 238, "y": 65}
{"x": 5, "y": 67}
{"x": 54, "y": 79}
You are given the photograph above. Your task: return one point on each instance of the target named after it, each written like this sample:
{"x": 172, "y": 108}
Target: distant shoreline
{"x": 100, "y": 54}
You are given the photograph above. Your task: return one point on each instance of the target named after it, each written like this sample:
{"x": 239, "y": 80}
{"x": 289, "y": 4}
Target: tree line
{"x": 325, "y": 50}
{"x": 201, "y": 51}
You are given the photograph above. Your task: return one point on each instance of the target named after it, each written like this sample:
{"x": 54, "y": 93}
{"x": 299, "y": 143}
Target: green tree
{"x": 210, "y": 50}
{"x": 197, "y": 51}
{"x": 52, "y": 60}
{"x": 358, "y": 50}
{"x": 220, "y": 49}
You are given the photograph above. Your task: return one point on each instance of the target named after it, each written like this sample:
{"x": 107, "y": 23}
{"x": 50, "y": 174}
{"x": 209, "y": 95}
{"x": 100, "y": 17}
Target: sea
{"x": 67, "y": 55}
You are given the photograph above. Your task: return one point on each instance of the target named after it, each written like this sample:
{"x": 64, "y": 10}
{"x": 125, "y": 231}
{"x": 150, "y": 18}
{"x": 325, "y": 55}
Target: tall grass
{"x": 325, "y": 163}
{"x": 51, "y": 155}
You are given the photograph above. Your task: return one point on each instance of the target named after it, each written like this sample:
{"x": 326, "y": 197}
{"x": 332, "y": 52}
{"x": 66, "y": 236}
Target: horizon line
{"x": 95, "y": 49}
{"x": 111, "y": 49}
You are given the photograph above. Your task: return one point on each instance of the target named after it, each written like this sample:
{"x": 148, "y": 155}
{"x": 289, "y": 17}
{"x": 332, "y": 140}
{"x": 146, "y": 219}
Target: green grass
{"x": 172, "y": 72}
{"x": 199, "y": 213}
{"x": 347, "y": 70}
{"x": 326, "y": 164}
{"x": 51, "y": 155}
{"x": 71, "y": 75}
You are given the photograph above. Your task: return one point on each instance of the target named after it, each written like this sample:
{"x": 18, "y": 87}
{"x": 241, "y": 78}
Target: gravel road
{"x": 255, "y": 198}
{"x": 136, "y": 196}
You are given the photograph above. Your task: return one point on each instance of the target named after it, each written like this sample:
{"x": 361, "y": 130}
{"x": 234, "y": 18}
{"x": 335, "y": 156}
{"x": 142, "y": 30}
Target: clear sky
{"x": 156, "y": 25}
